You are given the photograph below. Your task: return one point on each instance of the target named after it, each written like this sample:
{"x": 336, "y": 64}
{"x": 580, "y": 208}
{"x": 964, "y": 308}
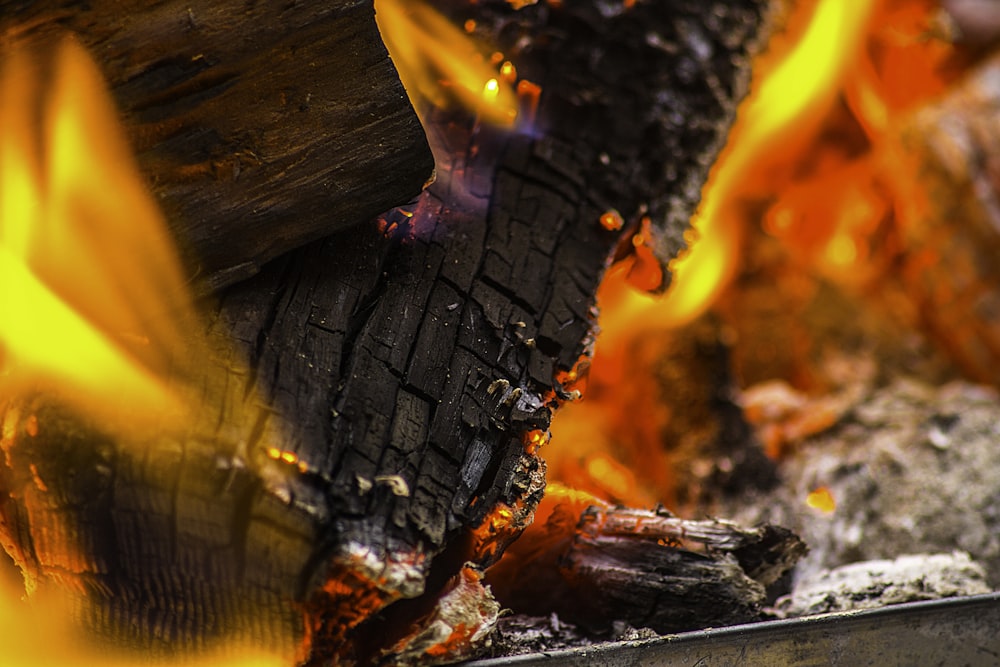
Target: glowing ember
{"x": 535, "y": 440}
{"x": 612, "y": 220}
{"x": 287, "y": 457}
{"x": 822, "y": 499}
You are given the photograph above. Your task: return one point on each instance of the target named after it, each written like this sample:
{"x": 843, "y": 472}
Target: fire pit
{"x": 329, "y": 454}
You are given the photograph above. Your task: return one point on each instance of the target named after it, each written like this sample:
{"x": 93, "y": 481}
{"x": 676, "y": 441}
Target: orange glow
{"x": 822, "y": 499}
{"x": 491, "y": 536}
{"x": 613, "y": 476}
{"x": 612, "y": 220}
{"x": 93, "y": 296}
{"x": 439, "y": 63}
{"x": 38, "y": 634}
{"x": 555, "y": 524}
{"x": 828, "y": 203}
{"x": 535, "y": 440}
{"x": 790, "y": 170}
{"x": 803, "y": 77}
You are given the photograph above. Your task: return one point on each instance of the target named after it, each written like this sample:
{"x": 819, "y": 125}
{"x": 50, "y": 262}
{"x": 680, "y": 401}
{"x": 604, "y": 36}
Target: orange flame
{"x": 804, "y": 72}
{"x": 784, "y": 110}
{"x": 834, "y": 57}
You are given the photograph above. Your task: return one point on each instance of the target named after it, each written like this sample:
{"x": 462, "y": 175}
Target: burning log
{"x": 593, "y": 564}
{"x": 401, "y": 375}
{"x": 260, "y": 127}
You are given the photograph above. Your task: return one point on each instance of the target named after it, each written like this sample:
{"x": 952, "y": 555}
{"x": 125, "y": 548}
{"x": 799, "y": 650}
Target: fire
{"x": 782, "y": 113}
{"x": 440, "y": 64}
{"x": 781, "y": 173}
{"x": 96, "y": 311}
{"x": 92, "y": 293}
{"x": 39, "y": 635}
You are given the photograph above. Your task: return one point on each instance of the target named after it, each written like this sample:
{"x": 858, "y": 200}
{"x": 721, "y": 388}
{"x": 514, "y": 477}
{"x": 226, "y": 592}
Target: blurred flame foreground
{"x": 91, "y": 289}
{"x": 816, "y": 186}
{"x": 95, "y": 310}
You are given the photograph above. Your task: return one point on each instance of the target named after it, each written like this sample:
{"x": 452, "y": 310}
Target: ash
{"x": 912, "y": 469}
{"x": 518, "y": 634}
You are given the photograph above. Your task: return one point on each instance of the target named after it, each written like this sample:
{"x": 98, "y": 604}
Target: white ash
{"x": 876, "y": 583}
{"x": 912, "y": 468}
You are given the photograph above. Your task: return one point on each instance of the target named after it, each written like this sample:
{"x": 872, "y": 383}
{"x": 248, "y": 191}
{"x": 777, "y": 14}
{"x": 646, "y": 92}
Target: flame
{"x": 803, "y": 73}
{"x": 440, "y": 64}
{"x": 39, "y": 635}
{"x": 798, "y": 81}
{"x": 783, "y": 112}
{"x": 94, "y": 309}
{"x": 870, "y": 61}
{"x": 93, "y": 297}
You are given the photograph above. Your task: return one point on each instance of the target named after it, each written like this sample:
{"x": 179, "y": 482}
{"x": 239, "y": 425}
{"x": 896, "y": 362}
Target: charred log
{"x": 261, "y": 126}
{"x": 595, "y": 565}
{"x": 382, "y": 436}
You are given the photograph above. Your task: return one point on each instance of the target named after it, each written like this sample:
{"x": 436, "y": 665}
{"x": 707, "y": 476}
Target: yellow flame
{"x": 439, "y": 63}
{"x": 93, "y": 304}
{"x": 92, "y": 297}
{"x": 794, "y": 90}
{"x": 793, "y": 97}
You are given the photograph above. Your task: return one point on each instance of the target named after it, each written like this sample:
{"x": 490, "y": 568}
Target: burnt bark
{"x": 645, "y": 567}
{"x": 401, "y": 366}
{"x": 261, "y": 126}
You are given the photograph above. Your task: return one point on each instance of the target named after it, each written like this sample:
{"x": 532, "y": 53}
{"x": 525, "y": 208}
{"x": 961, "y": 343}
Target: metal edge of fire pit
{"x": 950, "y": 631}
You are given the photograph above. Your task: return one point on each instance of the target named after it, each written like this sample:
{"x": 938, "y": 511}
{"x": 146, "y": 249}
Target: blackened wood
{"x": 262, "y": 126}
{"x": 422, "y": 342}
{"x": 402, "y": 364}
{"x": 645, "y": 567}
